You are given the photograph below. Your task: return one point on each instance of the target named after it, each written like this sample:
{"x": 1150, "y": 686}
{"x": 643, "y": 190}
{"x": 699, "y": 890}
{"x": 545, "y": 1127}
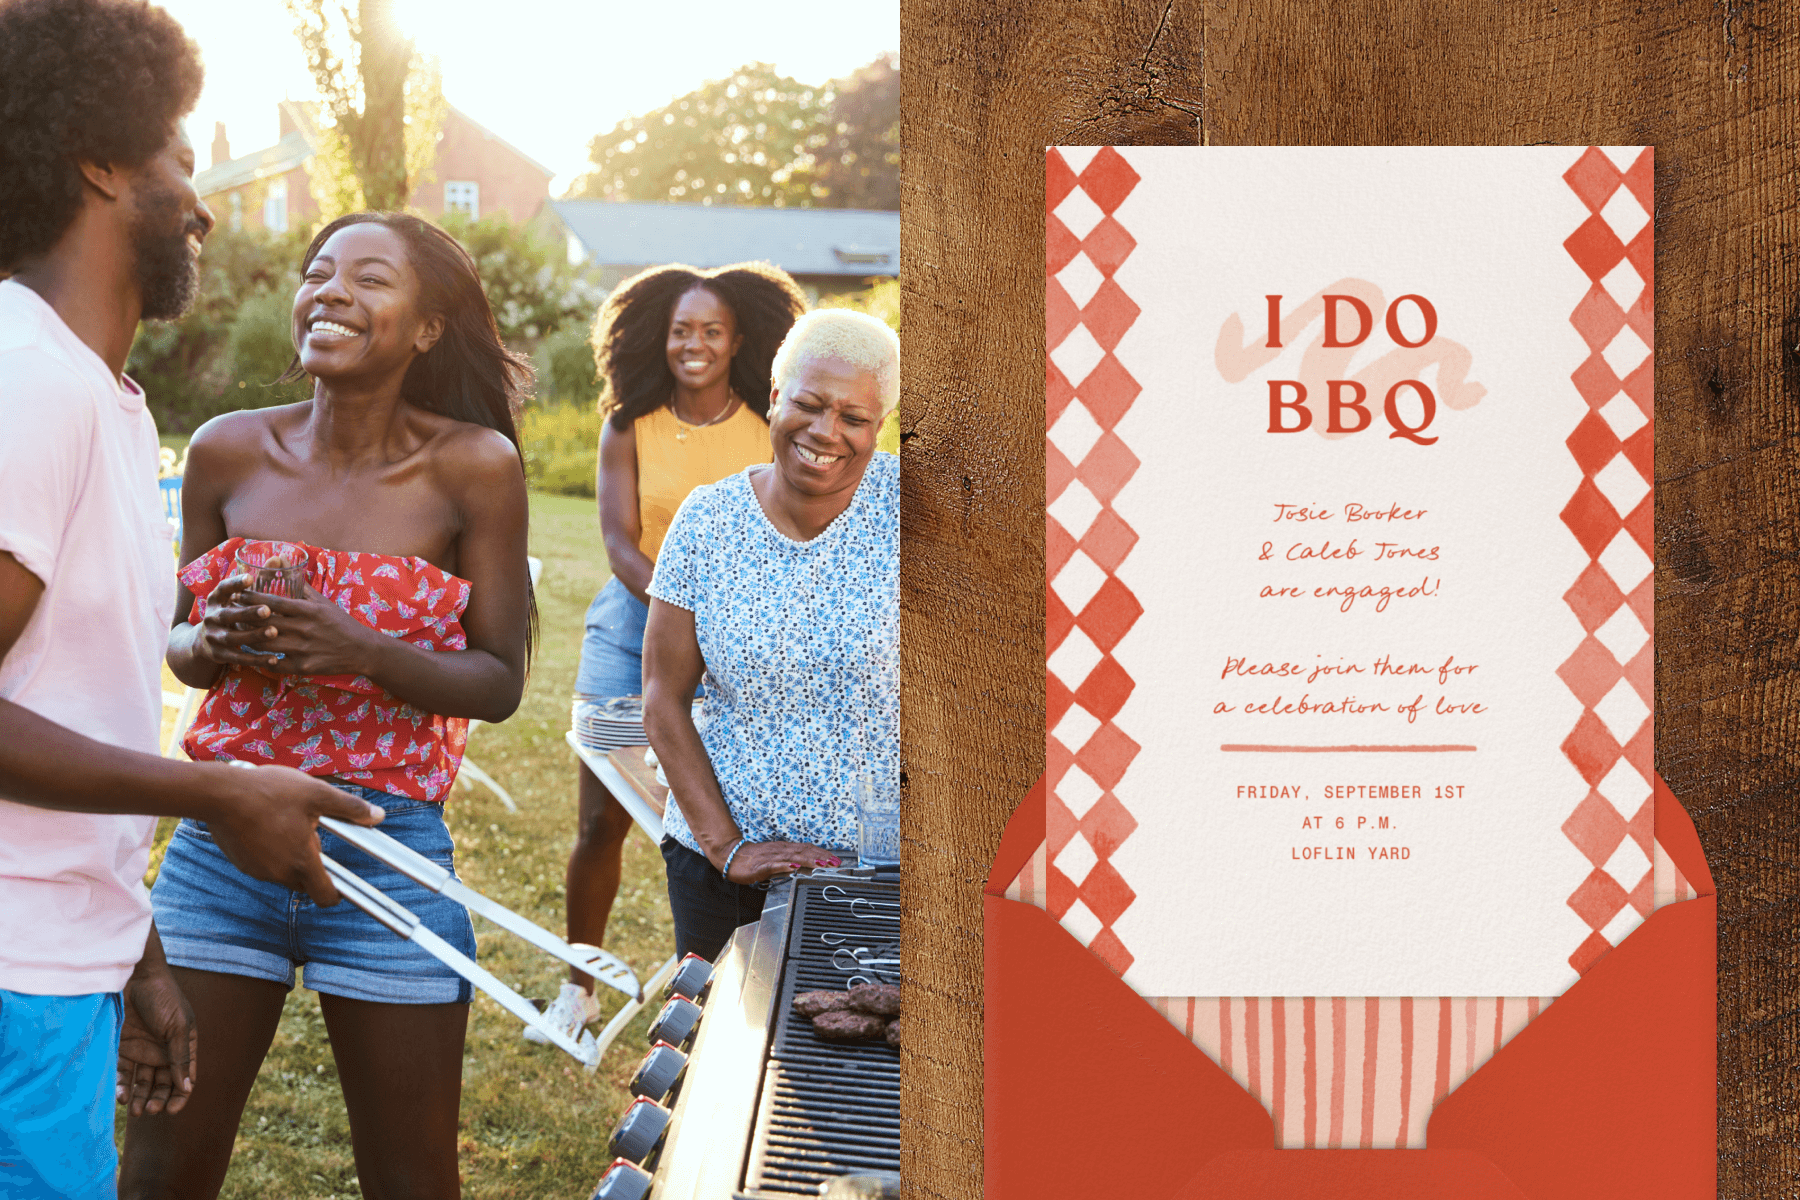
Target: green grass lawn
{"x": 533, "y": 1123}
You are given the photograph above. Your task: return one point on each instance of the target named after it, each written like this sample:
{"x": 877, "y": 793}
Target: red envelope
{"x": 1609, "y": 1092}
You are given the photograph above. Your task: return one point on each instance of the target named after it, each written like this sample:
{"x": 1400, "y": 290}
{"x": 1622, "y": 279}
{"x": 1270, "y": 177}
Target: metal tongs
{"x": 863, "y": 958}
{"x": 596, "y": 962}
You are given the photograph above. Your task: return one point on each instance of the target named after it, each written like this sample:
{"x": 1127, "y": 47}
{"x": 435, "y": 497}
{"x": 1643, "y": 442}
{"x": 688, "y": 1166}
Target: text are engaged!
{"x": 1345, "y": 593}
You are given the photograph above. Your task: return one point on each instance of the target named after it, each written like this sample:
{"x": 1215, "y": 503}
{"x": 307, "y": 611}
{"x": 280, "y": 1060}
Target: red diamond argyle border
{"x": 1088, "y": 609}
{"x": 1612, "y": 516}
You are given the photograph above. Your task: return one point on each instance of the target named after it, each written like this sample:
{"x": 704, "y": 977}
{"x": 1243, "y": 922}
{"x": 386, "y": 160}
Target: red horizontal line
{"x": 1242, "y": 749}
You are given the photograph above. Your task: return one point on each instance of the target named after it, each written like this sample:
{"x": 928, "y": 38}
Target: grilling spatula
{"x": 596, "y": 962}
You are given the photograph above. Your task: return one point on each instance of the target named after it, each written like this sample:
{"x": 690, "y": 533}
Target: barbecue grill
{"x": 758, "y": 1106}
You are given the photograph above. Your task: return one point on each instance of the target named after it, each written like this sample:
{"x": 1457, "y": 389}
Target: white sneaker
{"x": 573, "y": 1008}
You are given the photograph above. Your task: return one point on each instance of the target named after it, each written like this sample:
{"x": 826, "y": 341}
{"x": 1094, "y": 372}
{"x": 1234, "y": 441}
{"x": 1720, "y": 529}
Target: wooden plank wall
{"x": 1711, "y": 85}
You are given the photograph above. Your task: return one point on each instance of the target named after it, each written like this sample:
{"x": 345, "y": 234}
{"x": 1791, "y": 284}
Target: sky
{"x": 547, "y": 77}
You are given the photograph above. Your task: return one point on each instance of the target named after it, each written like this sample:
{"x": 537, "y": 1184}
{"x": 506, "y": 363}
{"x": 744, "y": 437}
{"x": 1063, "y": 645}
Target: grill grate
{"x": 827, "y": 1108}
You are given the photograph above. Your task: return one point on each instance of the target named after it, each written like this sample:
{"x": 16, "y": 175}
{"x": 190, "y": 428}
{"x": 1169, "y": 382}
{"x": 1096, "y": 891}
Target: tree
{"x": 743, "y": 139}
{"x": 757, "y": 137}
{"x": 386, "y": 105}
{"x": 858, "y": 160}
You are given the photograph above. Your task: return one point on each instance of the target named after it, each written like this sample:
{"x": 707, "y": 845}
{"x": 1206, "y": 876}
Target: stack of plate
{"x": 610, "y": 724}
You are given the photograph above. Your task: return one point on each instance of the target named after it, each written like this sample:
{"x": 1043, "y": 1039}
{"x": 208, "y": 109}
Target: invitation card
{"x": 1350, "y": 534}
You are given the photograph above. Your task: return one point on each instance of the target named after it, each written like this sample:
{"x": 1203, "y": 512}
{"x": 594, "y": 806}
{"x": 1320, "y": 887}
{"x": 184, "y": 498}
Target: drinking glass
{"x": 274, "y": 569}
{"x": 877, "y": 822}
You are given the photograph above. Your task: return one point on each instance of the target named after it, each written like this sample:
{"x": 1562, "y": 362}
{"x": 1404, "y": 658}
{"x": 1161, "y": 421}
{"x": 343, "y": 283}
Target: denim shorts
{"x": 59, "y": 1057}
{"x": 612, "y": 648}
{"x": 213, "y": 917}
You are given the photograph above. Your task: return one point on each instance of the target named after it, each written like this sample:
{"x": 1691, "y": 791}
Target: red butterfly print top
{"x": 341, "y": 725}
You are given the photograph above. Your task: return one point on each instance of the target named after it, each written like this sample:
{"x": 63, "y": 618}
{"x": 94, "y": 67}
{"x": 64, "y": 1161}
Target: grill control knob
{"x": 691, "y": 977}
{"x": 640, "y": 1131}
{"x": 658, "y": 1072}
{"x": 622, "y": 1181}
{"x": 675, "y": 1024}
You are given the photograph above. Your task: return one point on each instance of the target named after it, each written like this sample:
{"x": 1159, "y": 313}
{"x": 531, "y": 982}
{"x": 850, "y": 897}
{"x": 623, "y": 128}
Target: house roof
{"x": 801, "y": 241}
{"x": 278, "y": 159}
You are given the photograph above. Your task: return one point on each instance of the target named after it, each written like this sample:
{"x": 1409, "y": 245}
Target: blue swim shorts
{"x": 59, "y": 1058}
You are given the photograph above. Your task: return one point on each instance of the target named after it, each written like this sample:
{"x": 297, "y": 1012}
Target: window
{"x": 577, "y": 252}
{"x": 237, "y": 211}
{"x": 275, "y": 212}
{"x": 464, "y": 196}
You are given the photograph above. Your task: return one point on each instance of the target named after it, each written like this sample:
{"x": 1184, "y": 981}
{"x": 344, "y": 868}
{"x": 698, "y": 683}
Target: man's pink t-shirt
{"x": 79, "y": 509}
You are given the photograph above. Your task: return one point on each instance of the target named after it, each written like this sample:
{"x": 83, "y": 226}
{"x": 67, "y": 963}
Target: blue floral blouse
{"x": 802, "y": 648}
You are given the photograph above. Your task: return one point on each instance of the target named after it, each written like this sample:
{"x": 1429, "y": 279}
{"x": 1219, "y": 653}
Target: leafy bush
{"x": 258, "y": 348}
{"x": 562, "y": 447}
{"x": 566, "y": 373}
{"x": 878, "y": 300}
{"x": 529, "y": 282}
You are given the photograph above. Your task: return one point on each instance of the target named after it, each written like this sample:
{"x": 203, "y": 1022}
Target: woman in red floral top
{"x": 402, "y": 481}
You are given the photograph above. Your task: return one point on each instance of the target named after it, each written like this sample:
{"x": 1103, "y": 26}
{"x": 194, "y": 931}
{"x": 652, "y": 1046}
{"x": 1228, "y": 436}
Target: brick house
{"x": 479, "y": 172}
{"x": 475, "y": 171}
{"x": 267, "y": 189}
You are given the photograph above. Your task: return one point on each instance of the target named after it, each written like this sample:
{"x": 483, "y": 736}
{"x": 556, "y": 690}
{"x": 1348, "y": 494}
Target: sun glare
{"x": 417, "y": 21}
{"x": 548, "y": 75}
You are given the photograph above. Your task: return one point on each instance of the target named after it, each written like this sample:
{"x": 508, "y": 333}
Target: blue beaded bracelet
{"x": 725, "y": 871}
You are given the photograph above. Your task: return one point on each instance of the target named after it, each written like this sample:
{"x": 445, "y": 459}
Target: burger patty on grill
{"x": 847, "y": 1025}
{"x": 811, "y": 1004}
{"x": 882, "y": 999}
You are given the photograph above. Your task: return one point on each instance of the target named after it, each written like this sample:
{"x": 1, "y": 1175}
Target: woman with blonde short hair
{"x": 781, "y": 586}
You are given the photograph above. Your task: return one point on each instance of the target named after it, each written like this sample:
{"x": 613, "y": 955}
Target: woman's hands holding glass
{"x": 756, "y": 861}
{"x": 231, "y": 629}
{"x": 311, "y": 634}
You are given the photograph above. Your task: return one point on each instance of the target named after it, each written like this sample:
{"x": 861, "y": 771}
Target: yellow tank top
{"x": 673, "y": 459}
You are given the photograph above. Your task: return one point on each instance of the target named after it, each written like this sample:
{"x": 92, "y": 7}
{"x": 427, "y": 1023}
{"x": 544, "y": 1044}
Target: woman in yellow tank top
{"x": 686, "y": 357}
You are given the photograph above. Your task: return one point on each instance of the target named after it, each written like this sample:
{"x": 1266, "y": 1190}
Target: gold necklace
{"x": 682, "y": 428}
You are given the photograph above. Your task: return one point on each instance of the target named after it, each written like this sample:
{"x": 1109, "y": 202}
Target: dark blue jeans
{"x": 707, "y": 909}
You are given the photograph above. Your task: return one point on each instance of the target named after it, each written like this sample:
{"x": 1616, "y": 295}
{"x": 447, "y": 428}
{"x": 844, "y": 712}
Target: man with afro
{"x": 100, "y": 227}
